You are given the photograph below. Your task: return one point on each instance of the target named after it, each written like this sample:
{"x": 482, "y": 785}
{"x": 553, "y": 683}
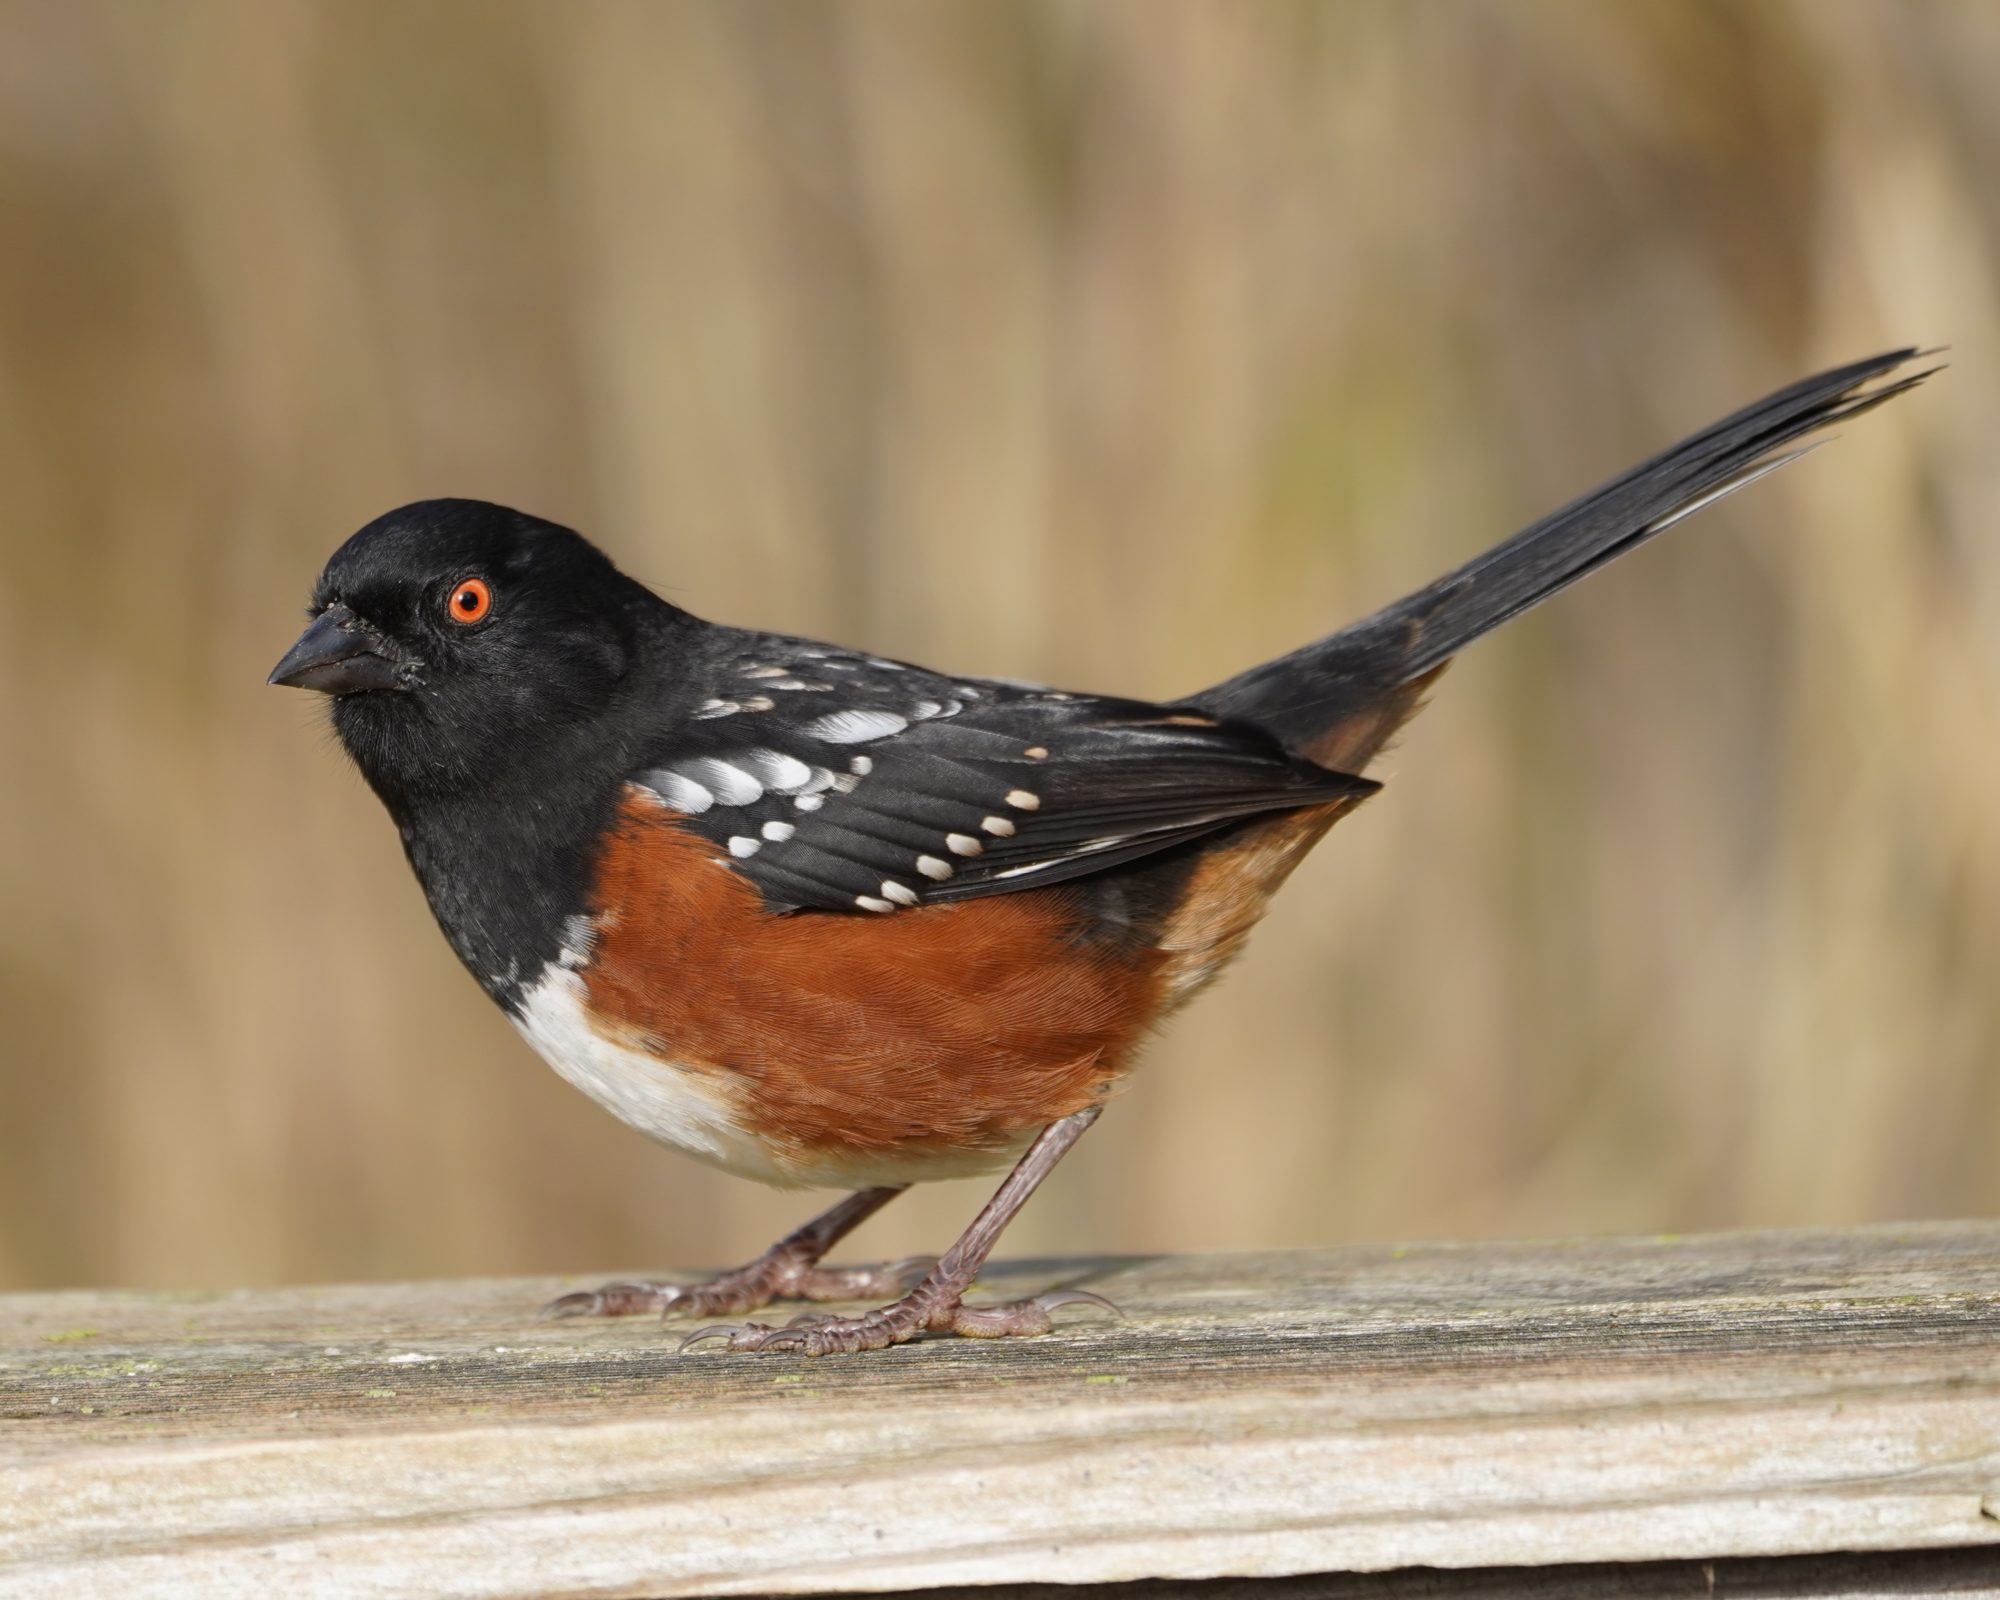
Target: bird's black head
{"x": 458, "y": 637}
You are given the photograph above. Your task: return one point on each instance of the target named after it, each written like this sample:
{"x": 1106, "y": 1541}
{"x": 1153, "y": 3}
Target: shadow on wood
{"x": 1255, "y": 1416}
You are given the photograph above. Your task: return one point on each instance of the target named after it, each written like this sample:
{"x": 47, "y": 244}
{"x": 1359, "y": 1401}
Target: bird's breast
{"x": 825, "y": 1048}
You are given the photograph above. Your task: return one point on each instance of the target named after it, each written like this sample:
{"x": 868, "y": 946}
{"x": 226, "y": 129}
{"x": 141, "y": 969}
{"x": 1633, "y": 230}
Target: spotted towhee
{"x": 826, "y": 919}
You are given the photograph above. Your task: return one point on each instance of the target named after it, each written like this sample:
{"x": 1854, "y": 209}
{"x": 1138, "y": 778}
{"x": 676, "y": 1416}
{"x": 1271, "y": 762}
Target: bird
{"x": 828, "y": 919}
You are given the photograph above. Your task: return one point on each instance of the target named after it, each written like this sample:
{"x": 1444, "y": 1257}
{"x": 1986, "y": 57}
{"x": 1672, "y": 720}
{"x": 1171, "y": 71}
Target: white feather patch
{"x": 689, "y": 1110}
{"x": 732, "y": 785}
{"x": 855, "y": 726}
{"x": 778, "y": 772}
{"x": 682, "y": 793}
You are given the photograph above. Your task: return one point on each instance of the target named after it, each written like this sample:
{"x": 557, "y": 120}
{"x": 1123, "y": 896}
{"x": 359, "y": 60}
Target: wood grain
{"x": 1255, "y": 1416}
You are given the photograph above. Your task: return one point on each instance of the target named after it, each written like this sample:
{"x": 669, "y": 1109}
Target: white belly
{"x": 668, "y": 1102}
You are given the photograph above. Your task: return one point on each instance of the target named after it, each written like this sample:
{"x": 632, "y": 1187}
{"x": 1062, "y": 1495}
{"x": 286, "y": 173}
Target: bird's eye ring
{"x": 469, "y": 602}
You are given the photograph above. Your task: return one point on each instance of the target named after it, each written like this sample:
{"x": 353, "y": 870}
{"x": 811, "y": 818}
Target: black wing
{"x": 842, "y": 782}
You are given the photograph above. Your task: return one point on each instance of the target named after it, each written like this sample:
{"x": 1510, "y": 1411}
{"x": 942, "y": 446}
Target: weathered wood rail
{"x": 1341, "y": 1411}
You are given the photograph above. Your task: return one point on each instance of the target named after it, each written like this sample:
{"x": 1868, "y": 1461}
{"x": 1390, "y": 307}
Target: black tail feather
{"x": 1301, "y": 695}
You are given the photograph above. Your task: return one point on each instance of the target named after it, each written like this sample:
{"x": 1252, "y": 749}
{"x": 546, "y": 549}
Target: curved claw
{"x": 757, "y": 1336}
{"x": 717, "y": 1330}
{"x": 1076, "y": 1297}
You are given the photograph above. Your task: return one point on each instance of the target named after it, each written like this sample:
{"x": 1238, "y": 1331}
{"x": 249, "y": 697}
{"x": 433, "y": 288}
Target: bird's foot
{"x": 928, "y": 1308}
{"x": 776, "y": 1275}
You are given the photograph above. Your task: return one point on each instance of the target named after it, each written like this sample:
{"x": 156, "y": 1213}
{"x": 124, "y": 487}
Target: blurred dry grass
{"x": 1115, "y": 344}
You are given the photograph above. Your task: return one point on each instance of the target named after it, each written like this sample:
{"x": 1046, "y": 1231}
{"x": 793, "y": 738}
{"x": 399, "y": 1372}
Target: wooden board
{"x": 1254, "y": 1416}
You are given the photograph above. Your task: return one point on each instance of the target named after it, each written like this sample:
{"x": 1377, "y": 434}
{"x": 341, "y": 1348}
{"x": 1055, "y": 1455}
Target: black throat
{"x": 507, "y": 853}
{"x": 508, "y": 872}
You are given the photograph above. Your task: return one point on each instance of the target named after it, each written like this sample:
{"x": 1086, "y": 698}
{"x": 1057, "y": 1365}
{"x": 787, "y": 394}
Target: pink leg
{"x": 936, "y": 1305}
{"x": 789, "y": 1270}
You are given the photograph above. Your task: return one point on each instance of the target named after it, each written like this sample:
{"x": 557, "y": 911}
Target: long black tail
{"x": 1304, "y": 696}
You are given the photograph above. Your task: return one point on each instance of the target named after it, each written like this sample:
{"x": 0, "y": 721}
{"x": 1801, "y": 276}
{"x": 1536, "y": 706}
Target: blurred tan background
{"x": 1111, "y": 344}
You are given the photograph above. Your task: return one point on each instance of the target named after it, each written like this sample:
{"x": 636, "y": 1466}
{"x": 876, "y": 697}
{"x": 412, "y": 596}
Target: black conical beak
{"x": 337, "y": 654}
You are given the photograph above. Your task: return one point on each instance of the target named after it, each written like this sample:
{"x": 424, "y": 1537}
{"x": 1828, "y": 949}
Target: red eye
{"x": 470, "y": 601}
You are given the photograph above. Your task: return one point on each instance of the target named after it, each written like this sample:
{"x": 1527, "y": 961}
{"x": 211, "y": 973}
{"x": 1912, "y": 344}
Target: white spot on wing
{"x": 868, "y": 902}
{"x": 730, "y": 784}
{"x": 809, "y": 802}
{"x": 767, "y": 672}
{"x": 1022, "y": 800}
{"x": 901, "y": 893}
{"x": 742, "y": 846}
{"x": 715, "y": 708}
{"x": 854, "y": 726}
{"x": 962, "y": 844}
{"x": 933, "y": 867}
{"x": 998, "y": 826}
{"x": 683, "y": 794}
{"x": 861, "y": 766}
{"x": 778, "y": 832}
{"x": 778, "y": 772}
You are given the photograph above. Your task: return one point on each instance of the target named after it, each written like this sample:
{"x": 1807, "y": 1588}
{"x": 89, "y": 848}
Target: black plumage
{"x": 1315, "y": 686}
{"x": 841, "y": 782}
{"x": 836, "y": 781}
